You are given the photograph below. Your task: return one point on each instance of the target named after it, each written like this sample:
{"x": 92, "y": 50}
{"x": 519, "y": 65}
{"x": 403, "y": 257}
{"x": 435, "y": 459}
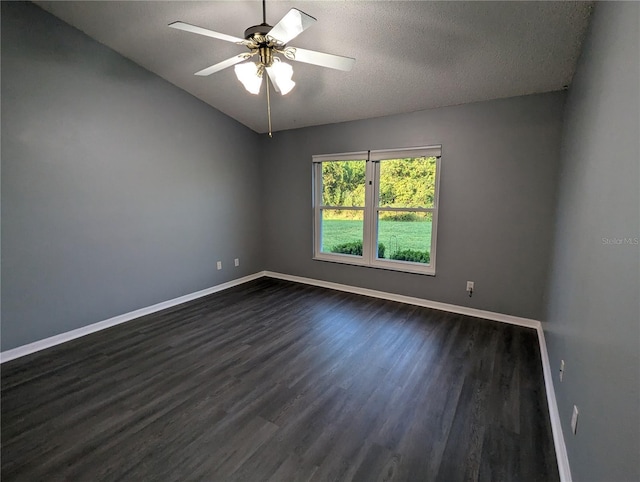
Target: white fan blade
{"x": 291, "y": 25}
{"x": 324, "y": 60}
{"x": 203, "y": 31}
{"x": 222, "y": 65}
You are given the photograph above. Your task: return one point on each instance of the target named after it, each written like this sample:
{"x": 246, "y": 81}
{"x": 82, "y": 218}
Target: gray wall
{"x": 497, "y": 198}
{"x": 594, "y": 312}
{"x": 118, "y": 189}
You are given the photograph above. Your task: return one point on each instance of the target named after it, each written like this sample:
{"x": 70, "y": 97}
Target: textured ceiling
{"x": 409, "y": 55}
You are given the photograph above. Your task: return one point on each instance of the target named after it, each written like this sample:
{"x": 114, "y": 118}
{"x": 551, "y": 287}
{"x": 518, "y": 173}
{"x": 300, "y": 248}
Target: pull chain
{"x": 268, "y": 106}
{"x": 264, "y": 21}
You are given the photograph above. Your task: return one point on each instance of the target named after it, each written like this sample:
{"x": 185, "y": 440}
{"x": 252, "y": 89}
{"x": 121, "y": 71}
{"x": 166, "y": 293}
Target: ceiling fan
{"x": 267, "y": 42}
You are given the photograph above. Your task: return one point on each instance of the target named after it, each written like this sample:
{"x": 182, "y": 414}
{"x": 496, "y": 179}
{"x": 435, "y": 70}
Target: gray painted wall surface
{"x": 497, "y": 198}
{"x": 119, "y": 190}
{"x": 594, "y": 312}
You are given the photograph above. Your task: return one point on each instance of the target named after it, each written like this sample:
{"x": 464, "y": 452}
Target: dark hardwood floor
{"x": 279, "y": 381}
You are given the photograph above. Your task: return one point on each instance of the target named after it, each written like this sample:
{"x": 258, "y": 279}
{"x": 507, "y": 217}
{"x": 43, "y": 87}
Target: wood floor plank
{"x": 279, "y": 381}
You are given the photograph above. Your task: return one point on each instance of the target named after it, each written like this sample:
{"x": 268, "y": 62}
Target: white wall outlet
{"x": 561, "y": 369}
{"x": 470, "y": 288}
{"x": 236, "y": 262}
{"x": 574, "y": 420}
{"x": 219, "y": 265}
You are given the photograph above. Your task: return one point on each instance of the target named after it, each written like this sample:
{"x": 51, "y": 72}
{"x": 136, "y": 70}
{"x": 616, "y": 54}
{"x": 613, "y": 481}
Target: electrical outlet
{"x": 219, "y": 265}
{"x": 561, "y": 369}
{"x": 470, "y": 288}
{"x": 236, "y": 261}
{"x": 574, "y": 420}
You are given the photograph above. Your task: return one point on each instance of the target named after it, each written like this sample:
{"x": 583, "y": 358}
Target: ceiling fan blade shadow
{"x": 222, "y": 65}
{"x": 291, "y": 25}
{"x": 324, "y": 60}
{"x": 206, "y": 32}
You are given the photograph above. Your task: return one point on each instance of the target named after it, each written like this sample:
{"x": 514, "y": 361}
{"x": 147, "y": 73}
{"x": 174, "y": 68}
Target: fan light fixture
{"x": 265, "y": 41}
{"x": 280, "y": 73}
{"x": 247, "y": 73}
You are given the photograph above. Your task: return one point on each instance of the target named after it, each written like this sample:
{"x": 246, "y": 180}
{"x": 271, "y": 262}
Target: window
{"x": 378, "y": 208}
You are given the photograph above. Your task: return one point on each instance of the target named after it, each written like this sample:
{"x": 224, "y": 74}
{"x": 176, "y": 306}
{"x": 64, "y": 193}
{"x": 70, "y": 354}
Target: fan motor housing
{"x": 262, "y": 29}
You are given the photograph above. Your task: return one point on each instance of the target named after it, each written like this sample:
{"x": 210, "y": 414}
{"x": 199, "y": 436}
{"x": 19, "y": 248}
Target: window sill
{"x": 402, "y": 266}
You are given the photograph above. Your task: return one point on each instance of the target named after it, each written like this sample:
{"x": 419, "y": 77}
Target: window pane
{"x": 404, "y": 236}
{"x": 343, "y": 183}
{"x": 408, "y": 183}
{"x": 342, "y": 231}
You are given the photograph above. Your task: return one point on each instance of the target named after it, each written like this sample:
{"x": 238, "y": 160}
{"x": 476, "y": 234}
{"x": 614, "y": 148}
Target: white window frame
{"x": 369, "y": 236}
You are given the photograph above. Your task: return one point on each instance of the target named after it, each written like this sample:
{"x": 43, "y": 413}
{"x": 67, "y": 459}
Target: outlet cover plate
{"x": 574, "y": 420}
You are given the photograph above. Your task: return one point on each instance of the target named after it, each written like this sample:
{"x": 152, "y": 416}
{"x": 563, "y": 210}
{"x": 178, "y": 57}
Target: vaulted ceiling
{"x": 409, "y": 55}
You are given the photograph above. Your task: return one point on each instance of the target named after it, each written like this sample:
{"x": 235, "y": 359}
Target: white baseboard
{"x": 24, "y": 350}
{"x": 560, "y": 447}
{"x": 410, "y": 300}
{"x": 554, "y": 414}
